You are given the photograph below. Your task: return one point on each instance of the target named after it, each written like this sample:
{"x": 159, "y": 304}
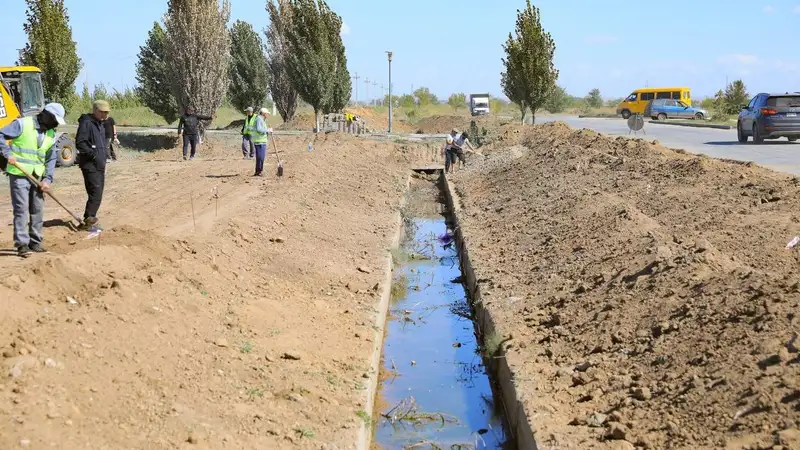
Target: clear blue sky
{"x": 455, "y": 45}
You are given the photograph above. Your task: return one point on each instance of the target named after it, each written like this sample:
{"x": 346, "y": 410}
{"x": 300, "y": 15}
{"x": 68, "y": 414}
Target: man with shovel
{"x": 31, "y": 140}
{"x": 260, "y": 137}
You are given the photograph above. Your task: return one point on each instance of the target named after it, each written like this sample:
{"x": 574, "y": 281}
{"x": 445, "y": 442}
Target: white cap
{"x": 249, "y": 109}
{"x": 57, "y": 110}
{"x": 263, "y": 111}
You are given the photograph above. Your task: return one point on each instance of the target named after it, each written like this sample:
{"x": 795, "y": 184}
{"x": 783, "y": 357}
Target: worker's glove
{"x": 269, "y": 130}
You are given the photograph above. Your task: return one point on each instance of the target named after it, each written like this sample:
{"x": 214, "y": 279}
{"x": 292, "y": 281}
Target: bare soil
{"x": 646, "y": 294}
{"x": 216, "y": 310}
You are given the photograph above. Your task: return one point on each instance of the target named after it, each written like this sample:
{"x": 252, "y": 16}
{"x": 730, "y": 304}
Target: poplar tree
{"x": 248, "y": 71}
{"x": 283, "y": 93}
{"x": 50, "y": 47}
{"x": 198, "y": 52}
{"x": 153, "y": 76}
{"x": 530, "y": 74}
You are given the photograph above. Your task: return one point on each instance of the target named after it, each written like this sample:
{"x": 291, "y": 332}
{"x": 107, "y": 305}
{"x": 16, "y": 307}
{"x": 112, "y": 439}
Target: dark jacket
{"x": 90, "y": 141}
{"x": 189, "y": 124}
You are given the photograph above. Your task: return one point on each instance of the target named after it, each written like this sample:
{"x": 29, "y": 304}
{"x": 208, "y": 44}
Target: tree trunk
{"x": 522, "y": 111}
{"x": 316, "y": 121}
{"x": 533, "y": 118}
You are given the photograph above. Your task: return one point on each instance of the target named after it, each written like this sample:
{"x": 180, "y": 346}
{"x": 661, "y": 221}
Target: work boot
{"x": 37, "y": 248}
{"x": 88, "y": 222}
{"x": 23, "y": 251}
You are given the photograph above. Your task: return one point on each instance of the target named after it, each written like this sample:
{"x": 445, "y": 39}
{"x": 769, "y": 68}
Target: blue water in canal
{"x": 436, "y": 392}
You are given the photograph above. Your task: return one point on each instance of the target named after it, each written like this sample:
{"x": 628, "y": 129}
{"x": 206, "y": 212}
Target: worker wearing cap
{"x": 31, "y": 151}
{"x": 260, "y": 137}
{"x": 247, "y": 129}
{"x": 90, "y": 141}
{"x": 449, "y": 151}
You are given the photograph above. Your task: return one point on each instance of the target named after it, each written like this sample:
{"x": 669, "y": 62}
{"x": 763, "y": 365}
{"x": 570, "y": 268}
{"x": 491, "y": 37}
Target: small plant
{"x": 305, "y": 433}
{"x": 364, "y": 416}
{"x": 360, "y": 387}
{"x": 492, "y": 344}
{"x": 246, "y": 347}
{"x": 399, "y": 289}
{"x": 255, "y": 392}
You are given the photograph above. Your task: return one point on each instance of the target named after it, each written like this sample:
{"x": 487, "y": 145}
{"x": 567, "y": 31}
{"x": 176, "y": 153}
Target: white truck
{"x": 479, "y": 104}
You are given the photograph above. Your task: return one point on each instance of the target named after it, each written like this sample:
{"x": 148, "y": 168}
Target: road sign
{"x": 636, "y": 123}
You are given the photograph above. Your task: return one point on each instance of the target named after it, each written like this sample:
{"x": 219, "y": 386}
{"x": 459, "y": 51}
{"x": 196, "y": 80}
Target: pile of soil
{"x": 443, "y": 124}
{"x": 300, "y": 121}
{"x": 217, "y": 310}
{"x": 379, "y": 121}
{"x": 644, "y": 296}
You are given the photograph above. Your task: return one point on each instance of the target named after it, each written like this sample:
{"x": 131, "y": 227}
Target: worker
{"x": 247, "y": 128}
{"x": 90, "y": 141}
{"x": 260, "y": 138}
{"x": 31, "y": 142}
{"x": 111, "y": 138}
{"x": 448, "y": 151}
{"x": 458, "y": 144}
{"x": 189, "y": 126}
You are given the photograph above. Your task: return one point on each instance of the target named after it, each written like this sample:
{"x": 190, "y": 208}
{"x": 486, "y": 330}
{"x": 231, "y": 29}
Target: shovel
{"x": 280, "y": 163}
{"x": 39, "y": 185}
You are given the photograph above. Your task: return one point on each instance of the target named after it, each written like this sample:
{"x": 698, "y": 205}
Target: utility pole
{"x": 366, "y": 83}
{"x": 390, "y": 91}
{"x": 374, "y": 101}
{"x": 356, "y": 78}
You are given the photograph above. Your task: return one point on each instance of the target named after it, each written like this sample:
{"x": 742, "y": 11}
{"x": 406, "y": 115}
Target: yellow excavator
{"x": 21, "y": 94}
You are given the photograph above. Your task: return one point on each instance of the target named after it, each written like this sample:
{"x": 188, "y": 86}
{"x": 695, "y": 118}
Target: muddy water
{"x": 435, "y": 392}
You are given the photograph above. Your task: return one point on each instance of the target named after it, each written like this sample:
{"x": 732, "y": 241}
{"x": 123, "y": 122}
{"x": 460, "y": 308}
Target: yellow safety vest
{"x": 258, "y": 138}
{"x": 27, "y": 151}
{"x": 249, "y": 125}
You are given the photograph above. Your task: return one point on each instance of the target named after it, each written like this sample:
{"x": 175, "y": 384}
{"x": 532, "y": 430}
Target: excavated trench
{"x": 438, "y": 386}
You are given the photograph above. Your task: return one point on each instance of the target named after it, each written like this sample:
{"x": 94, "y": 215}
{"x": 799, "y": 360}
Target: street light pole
{"x": 390, "y": 91}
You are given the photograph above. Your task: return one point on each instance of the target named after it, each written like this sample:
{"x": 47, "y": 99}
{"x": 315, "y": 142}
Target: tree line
{"x": 190, "y": 58}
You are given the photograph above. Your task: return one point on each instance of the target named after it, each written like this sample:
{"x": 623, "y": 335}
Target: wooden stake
{"x": 191, "y": 201}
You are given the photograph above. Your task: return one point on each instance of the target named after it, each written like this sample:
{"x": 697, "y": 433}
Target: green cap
{"x": 101, "y": 105}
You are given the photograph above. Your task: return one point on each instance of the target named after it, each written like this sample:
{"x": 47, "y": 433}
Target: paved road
{"x": 778, "y": 155}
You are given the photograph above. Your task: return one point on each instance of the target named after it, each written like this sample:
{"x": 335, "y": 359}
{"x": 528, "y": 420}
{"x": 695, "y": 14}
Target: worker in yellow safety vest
{"x": 26, "y": 145}
{"x": 247, "y": 133}
{"x": 260, "y": 132}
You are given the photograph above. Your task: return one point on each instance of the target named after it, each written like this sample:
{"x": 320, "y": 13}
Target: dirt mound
{"x": 646, "y": 293}
{"x": 300, "y": 121}
{"x": 443, "y": 124}
{"x": 379, "y": 121}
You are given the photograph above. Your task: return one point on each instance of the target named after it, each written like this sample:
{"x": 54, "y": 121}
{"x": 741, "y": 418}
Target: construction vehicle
{"x": 21, "y": 95}
{"x": 479, "y": 104}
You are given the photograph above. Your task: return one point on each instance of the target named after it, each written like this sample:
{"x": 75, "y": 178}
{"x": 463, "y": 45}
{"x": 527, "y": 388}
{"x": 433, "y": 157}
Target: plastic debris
{"x": 793, "y": 242}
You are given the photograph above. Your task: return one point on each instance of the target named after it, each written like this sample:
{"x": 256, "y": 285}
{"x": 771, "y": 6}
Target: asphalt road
{"x": 778, "y": 155}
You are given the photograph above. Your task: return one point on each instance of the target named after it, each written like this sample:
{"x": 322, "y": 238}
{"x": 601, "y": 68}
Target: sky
{"x": 456, "y": 45}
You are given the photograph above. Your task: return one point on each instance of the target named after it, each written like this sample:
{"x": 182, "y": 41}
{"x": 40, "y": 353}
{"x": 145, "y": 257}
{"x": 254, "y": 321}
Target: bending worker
{"x": 449, "y": 151}
{"x": 31, "y": 149}
{"x": 247, "y": 130}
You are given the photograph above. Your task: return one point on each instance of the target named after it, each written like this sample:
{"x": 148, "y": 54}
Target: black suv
{"x": 770, "y": 116}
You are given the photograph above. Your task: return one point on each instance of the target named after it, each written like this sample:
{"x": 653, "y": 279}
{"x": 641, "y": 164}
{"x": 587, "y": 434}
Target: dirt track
{"x": 247, "y": 327}
{"x": 646, "y": 294}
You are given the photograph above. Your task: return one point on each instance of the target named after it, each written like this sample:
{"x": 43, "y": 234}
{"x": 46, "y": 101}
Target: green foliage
{"x": 457, "y": 101}
{"x": 425, "y": 97}
{"x": 407, "y": 101}
{"x": 613, "y": 102}
{"x": 594, "y": 99}
{"x": 153, "y": 76}
{"x": 198, "y": 51}
{"x": 50, "y": 47}
{"x": 735, "y": 96}
{"x": 248, "y": 70}
{"x": 558, "y": 101}
{"x": 315, "y": 55}
{"x": 496, "y": 105}
{"x": 281, "y": 87}
{"x": 476, "y": 136}
{"x": 529, "y": 76}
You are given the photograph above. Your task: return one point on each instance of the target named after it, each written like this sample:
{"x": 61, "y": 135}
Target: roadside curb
{"x": 596, "y": 116}
{"x": 364, "y": 439}
{"x": 693, "y": 125}
{"x": 518, "y": 419}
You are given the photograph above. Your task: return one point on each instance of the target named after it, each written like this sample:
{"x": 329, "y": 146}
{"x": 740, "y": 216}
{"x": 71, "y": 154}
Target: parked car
{"x": 639, "y": 100}
{"x": 663, "y": 109}
{"x": 770, "y": 116}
